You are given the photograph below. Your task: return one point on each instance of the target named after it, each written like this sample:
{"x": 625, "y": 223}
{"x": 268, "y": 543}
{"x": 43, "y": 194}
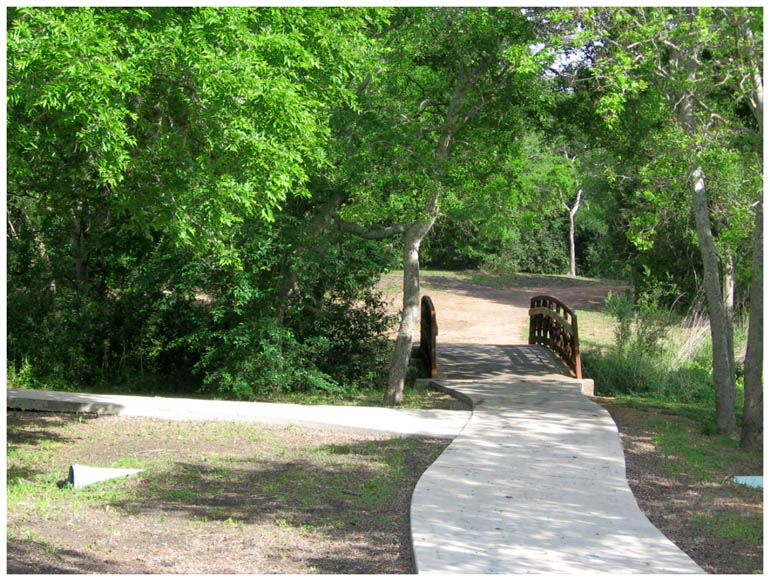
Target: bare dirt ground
{"x": 472, "y": 312}
{"x": 216, "y": 498}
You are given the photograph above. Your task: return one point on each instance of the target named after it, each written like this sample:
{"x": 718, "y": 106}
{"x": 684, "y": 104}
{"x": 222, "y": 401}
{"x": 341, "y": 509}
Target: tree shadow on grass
{"x": 31, "y": 428}
{"x": 25, "y": 430}
{"x": 40, "y": 558}
{"x": 357, "y": 493}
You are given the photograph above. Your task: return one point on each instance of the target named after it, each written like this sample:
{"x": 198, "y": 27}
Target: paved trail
{"x": 535, "y": 482}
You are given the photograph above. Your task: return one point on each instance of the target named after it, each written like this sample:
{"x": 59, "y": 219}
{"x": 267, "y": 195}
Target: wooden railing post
{"x": 428, "y": 333}
{"x": 554, "y": 325}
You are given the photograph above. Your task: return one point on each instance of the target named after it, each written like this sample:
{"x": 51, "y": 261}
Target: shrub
{"x": 644, "y": 359}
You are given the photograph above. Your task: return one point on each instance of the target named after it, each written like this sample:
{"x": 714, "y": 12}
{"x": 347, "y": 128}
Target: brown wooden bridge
{"x": 552, "y": 324}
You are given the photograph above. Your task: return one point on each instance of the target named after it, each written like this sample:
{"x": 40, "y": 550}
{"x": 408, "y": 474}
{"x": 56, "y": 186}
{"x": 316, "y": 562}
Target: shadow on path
{"x": 535, "y": 483}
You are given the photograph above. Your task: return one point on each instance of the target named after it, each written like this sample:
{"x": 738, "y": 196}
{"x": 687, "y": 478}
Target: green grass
{"x": 595, "y": 329}
{"x": 706, "y": 457}
{"x": 228, "y": 481}
{"x": 732, "y": 527}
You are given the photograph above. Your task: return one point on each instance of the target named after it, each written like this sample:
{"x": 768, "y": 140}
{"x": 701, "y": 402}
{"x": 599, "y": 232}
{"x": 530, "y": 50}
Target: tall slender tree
{"x": 687, "y": 57}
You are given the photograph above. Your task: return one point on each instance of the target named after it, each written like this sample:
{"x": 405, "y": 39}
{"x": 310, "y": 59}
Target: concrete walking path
{"x": 369, "y": 420}
{"x": 535, "y": 483}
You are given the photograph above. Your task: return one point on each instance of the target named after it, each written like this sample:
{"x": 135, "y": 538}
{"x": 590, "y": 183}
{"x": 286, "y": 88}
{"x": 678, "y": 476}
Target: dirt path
{"x": 470, "y": 312}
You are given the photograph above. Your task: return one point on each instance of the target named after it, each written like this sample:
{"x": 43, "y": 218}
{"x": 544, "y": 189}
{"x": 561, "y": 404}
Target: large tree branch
{"x": 374, "y": 232}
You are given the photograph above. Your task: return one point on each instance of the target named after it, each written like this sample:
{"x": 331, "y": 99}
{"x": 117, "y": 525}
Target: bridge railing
{"x": 554, "y": 325}
{"x": 428, "y": 333}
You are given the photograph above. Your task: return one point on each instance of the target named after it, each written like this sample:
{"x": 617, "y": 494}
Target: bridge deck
{"x": 535, "y": 482}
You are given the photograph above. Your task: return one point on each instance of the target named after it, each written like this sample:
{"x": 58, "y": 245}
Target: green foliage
{"x": 259, "y": 359}
{"x": 330, "y": 338}
{"x": 169, "y": 171}
{"x": 534, "y": 249}
{"x": 158, "y": 163}
{"x": 186, "y": 119}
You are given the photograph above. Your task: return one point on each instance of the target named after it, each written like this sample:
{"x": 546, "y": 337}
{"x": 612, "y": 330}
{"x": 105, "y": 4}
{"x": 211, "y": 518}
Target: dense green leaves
{"x": 149, "y": 151}
{"x": 184, "y": 120}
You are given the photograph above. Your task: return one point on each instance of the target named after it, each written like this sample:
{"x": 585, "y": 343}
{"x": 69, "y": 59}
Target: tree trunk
{"x": 729, "y": 285}
{"x": 721, "y": 326}
{"x": 399, "y": 364}
{"x": 572, "y": 212}
{"x": 752, "y": 431}
{"x": 413, "y": 238}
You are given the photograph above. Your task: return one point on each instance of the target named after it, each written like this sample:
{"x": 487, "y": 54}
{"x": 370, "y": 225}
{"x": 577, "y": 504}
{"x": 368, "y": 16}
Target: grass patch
{"x": 706, "y": 457}
{"x": 595, "y": 329}
{"x": 732, "y": 527}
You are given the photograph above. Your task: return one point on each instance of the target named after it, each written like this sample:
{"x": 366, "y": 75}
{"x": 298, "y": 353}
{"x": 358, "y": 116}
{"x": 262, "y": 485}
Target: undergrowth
{"x": 658, "y": 357}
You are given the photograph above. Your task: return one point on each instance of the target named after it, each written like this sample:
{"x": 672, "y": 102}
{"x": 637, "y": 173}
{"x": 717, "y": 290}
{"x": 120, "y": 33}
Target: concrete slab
{"x": 444, "y": 424}
{"x": 535, "y": 483}
{"x": 752, "y": 481}
{"x": 80, "y": 475}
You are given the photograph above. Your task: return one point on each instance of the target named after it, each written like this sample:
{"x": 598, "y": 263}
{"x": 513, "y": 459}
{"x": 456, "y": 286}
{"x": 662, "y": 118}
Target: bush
{"x": 643, "y": 358}
{"x": 537, "y": 253}
{"x": 70, "y": 342}
{"x": 156, "y": 317}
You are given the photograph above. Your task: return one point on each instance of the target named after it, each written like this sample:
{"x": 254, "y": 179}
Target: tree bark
{"x": 729, "y": 285}
{"x": 752, "y": 431}
{"x": 399, "y": 364}
{"x": 721, "y": 326}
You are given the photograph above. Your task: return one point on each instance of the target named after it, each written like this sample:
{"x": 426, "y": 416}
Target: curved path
{"x": 535, "y": 482}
